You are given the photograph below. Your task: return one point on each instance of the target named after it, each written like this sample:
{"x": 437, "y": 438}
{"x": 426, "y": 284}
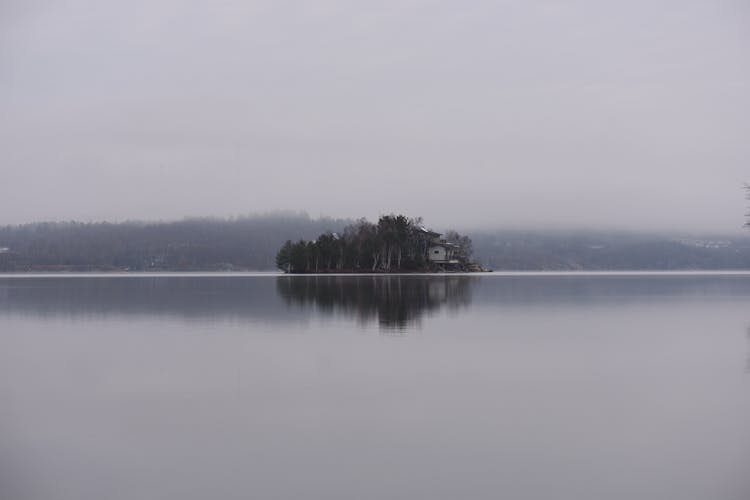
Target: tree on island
{"x": 395, "y": 243}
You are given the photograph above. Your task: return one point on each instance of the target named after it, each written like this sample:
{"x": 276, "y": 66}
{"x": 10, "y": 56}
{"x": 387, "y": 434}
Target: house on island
{"x": 439, "y": 251}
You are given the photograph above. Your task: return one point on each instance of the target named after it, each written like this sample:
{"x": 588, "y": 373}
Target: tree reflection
{"x": 394, "y": 302}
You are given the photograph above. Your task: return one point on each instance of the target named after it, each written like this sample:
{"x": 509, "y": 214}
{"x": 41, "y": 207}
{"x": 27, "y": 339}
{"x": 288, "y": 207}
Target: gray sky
{"x": 558, "y": 113}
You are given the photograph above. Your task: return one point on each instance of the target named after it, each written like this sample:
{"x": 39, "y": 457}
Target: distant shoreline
{"x": 251, "y": 244}
{"x": 270, "y": 274}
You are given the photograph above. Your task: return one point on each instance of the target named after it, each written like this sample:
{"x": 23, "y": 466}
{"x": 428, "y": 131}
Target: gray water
{"x": 392, "y": 387}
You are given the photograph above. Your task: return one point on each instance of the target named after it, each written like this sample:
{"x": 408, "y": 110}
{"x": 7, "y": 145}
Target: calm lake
{"x": 515, "y": 386}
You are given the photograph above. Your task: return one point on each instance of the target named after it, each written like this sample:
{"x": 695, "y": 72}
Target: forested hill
{"x": 248, "y": 243}
{"x": 558, "y": 250}
{"x": 251, "y": 243}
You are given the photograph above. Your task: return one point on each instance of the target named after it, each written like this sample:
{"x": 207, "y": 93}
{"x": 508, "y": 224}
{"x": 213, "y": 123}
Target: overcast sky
{"x": 623, "y": 114}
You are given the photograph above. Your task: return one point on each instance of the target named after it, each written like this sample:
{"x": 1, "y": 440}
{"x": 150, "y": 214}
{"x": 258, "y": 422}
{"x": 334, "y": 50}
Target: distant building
{"x": 705, "y": 243}
{"x": 440, "y": 251}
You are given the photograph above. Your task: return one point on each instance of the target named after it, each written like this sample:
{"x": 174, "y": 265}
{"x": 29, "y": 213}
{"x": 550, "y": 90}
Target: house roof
{"x": 446, "y": 244}
{"x": 427, "y": 231}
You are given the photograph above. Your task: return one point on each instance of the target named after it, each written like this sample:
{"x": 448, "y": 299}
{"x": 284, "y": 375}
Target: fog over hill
{"x": 251, "y": 243}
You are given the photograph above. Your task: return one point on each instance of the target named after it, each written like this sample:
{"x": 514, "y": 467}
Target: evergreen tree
{"x": 284, "y": 257}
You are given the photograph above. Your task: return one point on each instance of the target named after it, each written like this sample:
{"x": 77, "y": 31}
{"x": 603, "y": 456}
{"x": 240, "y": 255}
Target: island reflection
{"x": 394, "y": 302}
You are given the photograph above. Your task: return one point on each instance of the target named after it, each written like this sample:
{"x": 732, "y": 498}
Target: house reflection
{"x": 394, "y": 302}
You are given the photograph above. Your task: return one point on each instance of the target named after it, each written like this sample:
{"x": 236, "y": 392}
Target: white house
{"x": 438, "y": 250}
{"x": 443, "y": 252}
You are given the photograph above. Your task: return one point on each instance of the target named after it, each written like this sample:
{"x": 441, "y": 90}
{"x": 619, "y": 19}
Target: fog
{"x": 584, "y": 114}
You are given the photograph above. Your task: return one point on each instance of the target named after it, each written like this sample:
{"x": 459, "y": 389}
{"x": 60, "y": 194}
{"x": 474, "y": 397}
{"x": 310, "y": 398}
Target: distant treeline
{"x": 598, "y": 250}
{"x": 396, "y": 243}
{"x": 245, "y": 243}
{"x": 252, "y": 243}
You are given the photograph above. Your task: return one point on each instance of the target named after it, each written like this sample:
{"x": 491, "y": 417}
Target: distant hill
{"x": 251, "y": 243}
{"x": 248, "y": 243}
{"x": 519, "y": 250}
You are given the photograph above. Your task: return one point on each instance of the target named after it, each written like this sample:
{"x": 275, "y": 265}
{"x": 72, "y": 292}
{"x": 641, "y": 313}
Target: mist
{"x": 547, "y": 114}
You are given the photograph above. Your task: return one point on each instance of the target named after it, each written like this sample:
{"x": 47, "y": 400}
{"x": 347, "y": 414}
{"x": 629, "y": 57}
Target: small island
{"x": 396, "y": 244}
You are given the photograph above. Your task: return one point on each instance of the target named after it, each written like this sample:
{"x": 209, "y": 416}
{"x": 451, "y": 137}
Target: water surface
{"x": 368, "y": 387}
